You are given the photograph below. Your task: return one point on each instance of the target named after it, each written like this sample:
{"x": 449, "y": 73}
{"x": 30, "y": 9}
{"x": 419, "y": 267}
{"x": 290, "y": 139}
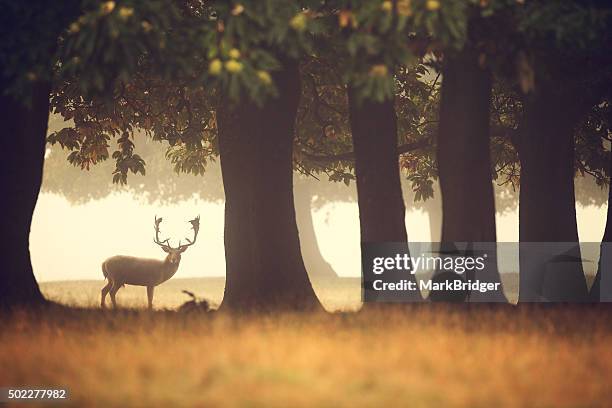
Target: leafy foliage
{"x": 161, "y": 66}
{"x": 28, "y": 40}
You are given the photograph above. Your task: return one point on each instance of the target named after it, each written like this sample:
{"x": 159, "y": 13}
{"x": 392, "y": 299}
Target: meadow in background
{"x": 336, "y": 294}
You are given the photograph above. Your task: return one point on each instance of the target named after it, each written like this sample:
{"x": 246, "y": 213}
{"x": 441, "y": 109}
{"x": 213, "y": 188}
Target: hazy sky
{"x": 71, "y": 241}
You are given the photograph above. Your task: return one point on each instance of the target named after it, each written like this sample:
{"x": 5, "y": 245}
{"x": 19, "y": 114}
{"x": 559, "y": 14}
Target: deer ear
{"x": 166, "y": 250}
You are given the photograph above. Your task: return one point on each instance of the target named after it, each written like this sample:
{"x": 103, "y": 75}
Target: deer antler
{"x": 163, "y": 244}
{"x": 195, "y": 225}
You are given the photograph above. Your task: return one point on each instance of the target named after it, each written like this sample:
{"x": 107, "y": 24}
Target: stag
{"x": 123, "y": 270}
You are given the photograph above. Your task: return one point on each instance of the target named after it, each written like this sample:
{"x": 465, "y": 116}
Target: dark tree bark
{"x": 379, "y": 192}
{"x": 464, "y": 163}
{"x": 24, "y": 131}
{"x": 316, "y": 265}
{"x": 550, "y": 256}
{"x": 265, "y": 270}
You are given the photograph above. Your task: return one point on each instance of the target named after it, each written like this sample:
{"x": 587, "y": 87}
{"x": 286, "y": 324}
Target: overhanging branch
{"x": 350, "y": 156}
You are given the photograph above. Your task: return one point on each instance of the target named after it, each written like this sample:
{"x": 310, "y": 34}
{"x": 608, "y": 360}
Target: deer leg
{"x": 105, "y": 290}
{"x": 116, "y": 286}
{"x": 150, "y": 296}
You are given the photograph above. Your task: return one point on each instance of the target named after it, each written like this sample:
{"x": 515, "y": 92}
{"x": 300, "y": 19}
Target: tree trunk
{"x": 379, "y": 195}
{"x": 468, "y": 204}
{"x": 550, "y": 263}
{"x": 382, "y": 214}
{"x": 464, "y": 164}
{"x": 265, "y": 269}
{"x": 432, "y": 207}
{"x": 23, "y": 143}
{"x": 316, "y": 265}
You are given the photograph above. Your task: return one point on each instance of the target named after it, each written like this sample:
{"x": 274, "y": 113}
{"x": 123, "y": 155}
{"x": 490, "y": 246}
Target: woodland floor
{"x": 411, "y": 355}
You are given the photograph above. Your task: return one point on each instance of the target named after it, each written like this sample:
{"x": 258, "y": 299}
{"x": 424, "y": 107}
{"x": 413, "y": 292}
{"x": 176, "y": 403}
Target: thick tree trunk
{"x": 468, "y": 204}
{"x": 265, "y": 269}
{"x": 382, "y": 214}
{"x": 550, "y": 263}
{"x": 24, "y": 131}
{"x": 464, "y": 164}
{"x": 379, "y": 193}
{"x": 316, "y": 265}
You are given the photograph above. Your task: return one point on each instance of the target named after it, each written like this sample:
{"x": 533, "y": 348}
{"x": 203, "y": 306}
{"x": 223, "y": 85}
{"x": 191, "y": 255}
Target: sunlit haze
{"x": 71, "y": 241}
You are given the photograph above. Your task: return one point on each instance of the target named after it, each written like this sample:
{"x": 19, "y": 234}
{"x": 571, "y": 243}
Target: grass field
{"x": 342, "y": 294}
{"x": 425, "y": 355}
{"x": 336, "y": 294}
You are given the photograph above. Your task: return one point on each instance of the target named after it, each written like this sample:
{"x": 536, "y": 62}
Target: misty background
{"x": 81, "y": 218}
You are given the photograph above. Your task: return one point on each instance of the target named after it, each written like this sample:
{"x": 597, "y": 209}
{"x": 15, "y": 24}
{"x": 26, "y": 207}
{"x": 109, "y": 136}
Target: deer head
{"x": 174, "y": 254}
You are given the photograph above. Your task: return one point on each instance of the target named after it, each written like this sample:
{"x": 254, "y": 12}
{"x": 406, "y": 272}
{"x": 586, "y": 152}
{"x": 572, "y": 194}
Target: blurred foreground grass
{"x": 410, "y": 355}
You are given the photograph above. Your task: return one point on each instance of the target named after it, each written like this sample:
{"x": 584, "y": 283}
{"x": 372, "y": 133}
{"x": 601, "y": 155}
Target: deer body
{"x": 123, "y": 270}
{"x": 130, "y": 270}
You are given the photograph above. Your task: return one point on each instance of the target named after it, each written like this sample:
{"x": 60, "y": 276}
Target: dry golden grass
{"x": 342, "y": 294}
{"x": 411, "y": 355}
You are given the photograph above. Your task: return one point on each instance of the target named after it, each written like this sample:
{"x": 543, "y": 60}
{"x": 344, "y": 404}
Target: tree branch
{"x": 350, "y": 156}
